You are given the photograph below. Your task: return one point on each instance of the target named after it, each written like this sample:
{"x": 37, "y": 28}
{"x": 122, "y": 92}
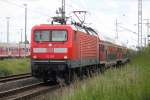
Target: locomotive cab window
{"x": 50, "y": 35}
{"x": 42, "y": 36}
{"x": 59, "y": 35}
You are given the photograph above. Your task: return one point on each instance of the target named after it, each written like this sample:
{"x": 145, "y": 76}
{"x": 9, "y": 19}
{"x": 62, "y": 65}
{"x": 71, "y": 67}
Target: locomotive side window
{"x": 102, "y": 48}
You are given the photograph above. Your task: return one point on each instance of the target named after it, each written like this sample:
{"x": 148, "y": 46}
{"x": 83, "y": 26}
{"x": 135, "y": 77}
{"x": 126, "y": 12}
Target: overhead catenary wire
{"x": 21, "y": 6}
{"x": 42, "y": 14}
{"x": 127, "y": 29}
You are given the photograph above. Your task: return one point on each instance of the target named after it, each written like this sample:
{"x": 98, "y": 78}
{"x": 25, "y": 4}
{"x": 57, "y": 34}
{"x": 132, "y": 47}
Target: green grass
{"x": 131, "y": 82}
{"x": 14, "y": 66}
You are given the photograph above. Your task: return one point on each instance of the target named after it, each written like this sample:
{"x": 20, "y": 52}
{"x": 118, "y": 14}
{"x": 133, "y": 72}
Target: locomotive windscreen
{"x": 50, "y": 35}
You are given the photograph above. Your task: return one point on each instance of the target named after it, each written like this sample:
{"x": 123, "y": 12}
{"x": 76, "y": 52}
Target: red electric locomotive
{"x": 60, "y": 51}
{"x": 57, "y": 50}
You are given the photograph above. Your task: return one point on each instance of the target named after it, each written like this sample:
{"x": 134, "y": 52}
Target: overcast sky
{"x": 101, "y": 15}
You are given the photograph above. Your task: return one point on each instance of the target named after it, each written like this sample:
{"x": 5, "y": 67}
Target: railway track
{"x": 26, "y": 92}
{"x": 15, "y": 77}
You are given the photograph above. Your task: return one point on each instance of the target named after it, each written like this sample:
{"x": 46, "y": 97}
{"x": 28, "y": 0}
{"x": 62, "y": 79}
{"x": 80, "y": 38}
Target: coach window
{"x": 102, "y": 48}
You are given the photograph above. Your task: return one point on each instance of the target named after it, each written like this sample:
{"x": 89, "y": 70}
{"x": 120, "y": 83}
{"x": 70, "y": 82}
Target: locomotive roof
{"x": 88, "y": 30}
{"x": 75, "y": 27}
{"x": 108, "y": 43}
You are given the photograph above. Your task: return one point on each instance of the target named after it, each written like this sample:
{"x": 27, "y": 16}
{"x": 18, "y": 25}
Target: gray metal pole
{"x": 145, "y": 41}
{"x": 7, "y": 19}
{"x": 25, "y": 27}
{"x": 116, "y": 29}
{"x": 139, "y": 23}
{"x": 63, "y": 11}
{"x": 21, "y": 35}
{"x": 1, "y": 36}
{"x": 147, "y": 23}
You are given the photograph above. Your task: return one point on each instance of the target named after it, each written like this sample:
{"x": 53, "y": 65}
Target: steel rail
{"x": 26, "y": 92}
{"x": 14, "y": 77}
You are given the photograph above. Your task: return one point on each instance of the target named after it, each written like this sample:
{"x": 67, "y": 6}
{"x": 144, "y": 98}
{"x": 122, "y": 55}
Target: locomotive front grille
{"x": 49, "y": 64}
{"x": 49, "y": 61}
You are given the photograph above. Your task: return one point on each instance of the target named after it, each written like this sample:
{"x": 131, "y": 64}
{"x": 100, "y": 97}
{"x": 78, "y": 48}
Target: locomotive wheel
{"x": 99, "y": 69}
{"x": 96, "y": 70}
{"x": 81, "y": 73}
{"x": 74, "y": 76}
{"x": 68, "y": 77}
{"x": 102, "y": 69}
{"x": 45, "y": 80}
{"x": 87, "y": 72}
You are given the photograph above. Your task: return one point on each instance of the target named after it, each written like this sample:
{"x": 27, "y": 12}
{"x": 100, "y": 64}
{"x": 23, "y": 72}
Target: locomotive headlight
{"x": 34, "y": 57}
{"x": 39, "y": 50}
{"x": 60, "y": 50}
{"x": 65, "y": 57}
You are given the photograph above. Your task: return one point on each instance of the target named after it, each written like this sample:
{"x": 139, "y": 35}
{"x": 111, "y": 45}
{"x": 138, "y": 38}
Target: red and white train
{"x": 65, "y": 50}
{"x": 14, "y": 50}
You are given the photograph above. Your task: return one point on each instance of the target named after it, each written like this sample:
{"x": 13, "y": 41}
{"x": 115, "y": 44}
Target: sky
{"x": 102, "y": 15}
